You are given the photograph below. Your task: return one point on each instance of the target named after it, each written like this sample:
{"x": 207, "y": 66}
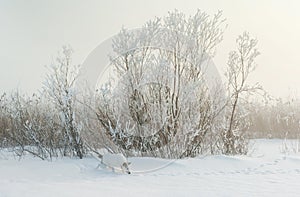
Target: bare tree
{"x": 241, "y": 64}
{"x": 60, "y": 87}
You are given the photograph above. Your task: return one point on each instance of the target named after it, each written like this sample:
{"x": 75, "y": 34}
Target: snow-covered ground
{"x": 266, "y": 172}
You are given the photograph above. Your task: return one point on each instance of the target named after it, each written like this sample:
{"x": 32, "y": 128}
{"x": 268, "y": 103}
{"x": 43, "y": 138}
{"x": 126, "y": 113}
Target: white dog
{"x": 110, "y": 159}
{"x": 116, "y": 161}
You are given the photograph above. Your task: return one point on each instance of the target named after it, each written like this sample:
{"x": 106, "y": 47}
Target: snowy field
{"x": 265, "y": 172}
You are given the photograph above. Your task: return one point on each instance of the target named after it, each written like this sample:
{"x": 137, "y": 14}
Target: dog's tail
{"x": 98, "y": 153}
{"x": 109, "y": 149}
{"x": 94, "y": 152}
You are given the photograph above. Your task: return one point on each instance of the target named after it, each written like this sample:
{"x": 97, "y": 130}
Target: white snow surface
{"x": 266, "y": 171}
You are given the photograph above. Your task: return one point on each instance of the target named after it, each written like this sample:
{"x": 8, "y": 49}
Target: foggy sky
{"x": 32, "y": 31}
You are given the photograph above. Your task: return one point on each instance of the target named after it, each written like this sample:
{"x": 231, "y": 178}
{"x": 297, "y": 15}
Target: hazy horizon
{"x": 33, "y": 31}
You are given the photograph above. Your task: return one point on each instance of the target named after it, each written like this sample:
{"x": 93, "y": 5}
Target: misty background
{"x": 33, "y": 31}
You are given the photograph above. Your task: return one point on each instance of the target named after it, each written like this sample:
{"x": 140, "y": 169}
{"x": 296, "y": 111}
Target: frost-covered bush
{"x": 158, "y": 102}
{"x": 278, "y": 119}
{"x": 4, "y": 120}
{"x": 28, "y": 126}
